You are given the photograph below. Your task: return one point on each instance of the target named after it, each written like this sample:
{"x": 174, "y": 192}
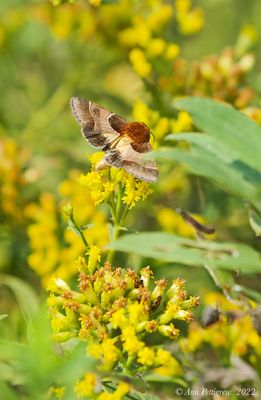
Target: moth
{"x": 123, "y": 142}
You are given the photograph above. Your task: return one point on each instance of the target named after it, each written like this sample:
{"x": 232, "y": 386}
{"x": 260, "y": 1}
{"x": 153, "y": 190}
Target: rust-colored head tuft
{"x": 138, "y": 132}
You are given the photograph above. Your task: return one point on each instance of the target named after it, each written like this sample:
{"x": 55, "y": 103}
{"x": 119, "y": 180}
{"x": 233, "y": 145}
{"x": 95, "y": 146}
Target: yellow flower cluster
{"x": 12, "y": 179}
{"x": 233, "y": 333}
{"x": 87, "y": 388}
{"x": 117, "y": 310}
{"x": 52, "y": 253}
{"x": 218, "y": 76}
{"x": 144, "y": 39}
{"x": 94, "y": 3}
{"x": 190, "y": 21}
{"x": 58, "y": 392}
{"x": 103, "y": 185}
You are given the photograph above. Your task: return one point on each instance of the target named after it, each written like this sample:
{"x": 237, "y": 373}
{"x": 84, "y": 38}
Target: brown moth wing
{"x": 103, "y": 130}
{"x": 99, "y": 126}
{"x": 124, "y": 156}
{"x": 141, "y": 147}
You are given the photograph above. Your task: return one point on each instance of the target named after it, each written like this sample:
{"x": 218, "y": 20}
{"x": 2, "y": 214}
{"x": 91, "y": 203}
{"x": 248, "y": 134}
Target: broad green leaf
{"x": 2, "y": 316}
{"x": 168, "y": 247}
{"x": 240, "y": 134}
{"x": 24, "y": 294}
{"x": 208, "y": 142}
{"x": 202, "y": 163}
{"x": 219, "y": 150}
{"x": 255, "y": 221}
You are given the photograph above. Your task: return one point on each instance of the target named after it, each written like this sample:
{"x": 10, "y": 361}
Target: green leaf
{"x": 255, "y": 221}
{"x": 208, "y": 142}
{"x": 73, "y": 228}
{"x": 208, "y": 165}
{"x": 240, "y": 134}
{"x": 24, "y": 294}
{"x": 168, "y": 247}
{"x": 3, "y": 316}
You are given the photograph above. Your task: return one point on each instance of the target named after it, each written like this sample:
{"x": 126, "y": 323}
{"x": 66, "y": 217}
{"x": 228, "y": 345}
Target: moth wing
{"x": 99, "y": 126}
{"x": 124, "y": 156}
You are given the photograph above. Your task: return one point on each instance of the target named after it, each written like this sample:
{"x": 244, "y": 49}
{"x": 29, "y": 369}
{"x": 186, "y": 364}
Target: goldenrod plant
{"x": 113, "y": 288}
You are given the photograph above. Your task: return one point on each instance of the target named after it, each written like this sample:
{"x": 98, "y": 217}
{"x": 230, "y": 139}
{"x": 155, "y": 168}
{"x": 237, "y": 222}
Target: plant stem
{"x": 118, "y": 220}
{"x": 78, "y": 229}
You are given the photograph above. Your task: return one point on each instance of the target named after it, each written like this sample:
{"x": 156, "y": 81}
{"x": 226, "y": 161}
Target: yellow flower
{"x": 109, "y": 353}
{"x": 159, "y": 17}
{"x": 155, "y": 47}
{"x": 134, "y": 190}
{"x": 48, "y": 254}
{"x": 58, "y": 391}
{"x": 94, "y": 350}
{"x": 189, "y": 21}
{"x": 183, "y": 6}
{"x": 139, "y": 63}
{"x": 93, "y": 182}
{"x": 85, "y": 387}
{"x": 131, "y": 344}
{"x": 146, "y": 356}
{"x": 114, "y": 309}
{"x": 141, "y": 112}
{"x": 139, "y": 34}
{"x": 119, "y": 319}
{"x": 247, "y": 37}
{"x": 163, "y": 356}
{"x": 136, "y": 313}
{"x": 95, "y": 3}
{"x": 172, "y": 51}
{"x": 95, "y": 158}
{"x": 122, "y": 389}
{"x": 94, "y": 256}
{"x": 169, "y": 368}
{"x": 161, "y": 128}
{"x": 183, "y": 123}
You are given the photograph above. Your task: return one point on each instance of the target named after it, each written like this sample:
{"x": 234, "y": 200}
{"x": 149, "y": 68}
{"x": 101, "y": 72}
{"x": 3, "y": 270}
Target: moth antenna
{"x": 153, "y": 136}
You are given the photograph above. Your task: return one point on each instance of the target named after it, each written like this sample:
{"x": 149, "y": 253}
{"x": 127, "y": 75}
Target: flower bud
{"x": 68, "y": 210}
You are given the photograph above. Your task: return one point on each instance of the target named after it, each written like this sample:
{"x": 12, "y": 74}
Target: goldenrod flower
{"x": 118, "y": 319}
{"x": 155, "y": 47}
{"x": 86, "y": 386}
{"x": 48, "y": 255}
{"x": 122, "y": 389}
{"x": 172, "y": 51}
{"x": 140, "y": 63}
{"x": 146, "y": 356}
{"x": 236, "y": 338}
{"x": 94, "y": 256}
{"x": 189, "y": 21}
{"x": 95, "y": 3}
{"x": 119, "y": 300}
{"x": 57, "y": 391}
{"x": 134, "y": 190}
{"x": 131, "y": 343}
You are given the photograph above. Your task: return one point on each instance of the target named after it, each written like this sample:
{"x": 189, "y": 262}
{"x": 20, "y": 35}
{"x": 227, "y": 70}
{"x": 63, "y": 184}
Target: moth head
{"x": 138, "y": 132}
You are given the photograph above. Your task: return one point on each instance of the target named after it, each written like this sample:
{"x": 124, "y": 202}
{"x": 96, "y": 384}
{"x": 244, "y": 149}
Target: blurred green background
{"x": 49, "y": 53}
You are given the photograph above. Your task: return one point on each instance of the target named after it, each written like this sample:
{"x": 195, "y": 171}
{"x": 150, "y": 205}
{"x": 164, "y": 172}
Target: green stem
{"x": 116, "y": 231}
{"x": 117, "y": 220}
{"x": 124, "y": 215}
{"x": 78, "y": 229}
